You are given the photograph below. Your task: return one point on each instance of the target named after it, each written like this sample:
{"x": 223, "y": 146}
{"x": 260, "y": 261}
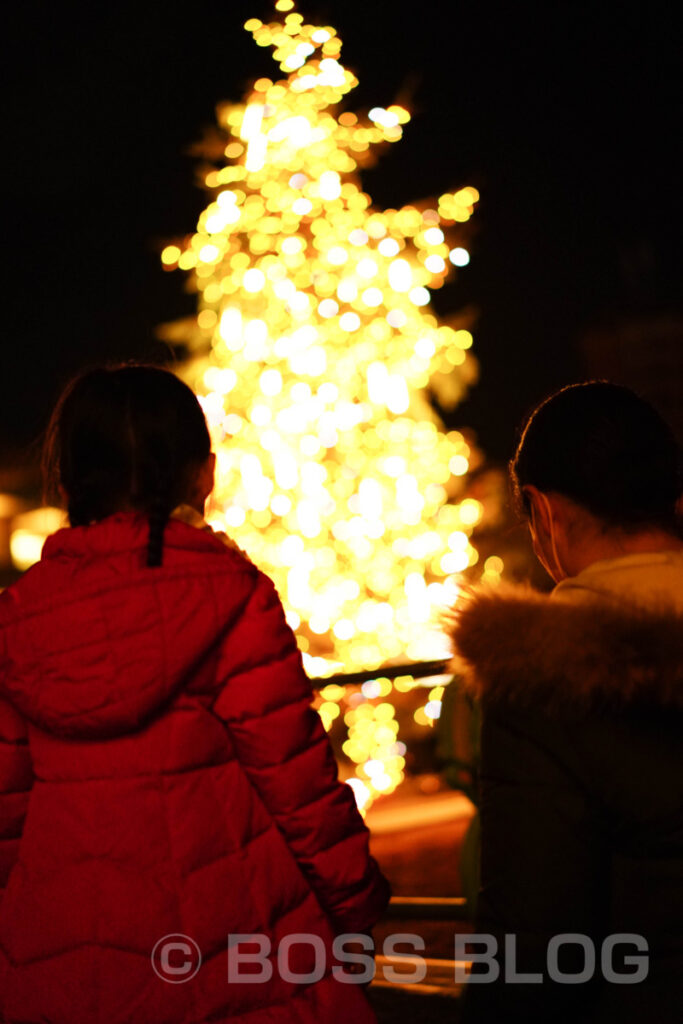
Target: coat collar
{"x": 125, "y": 531}
{"x": 516, "y": 646}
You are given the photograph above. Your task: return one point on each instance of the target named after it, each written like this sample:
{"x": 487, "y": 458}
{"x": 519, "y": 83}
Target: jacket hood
{"x": 95, "y": 643}
{"x": 517, "y": 646}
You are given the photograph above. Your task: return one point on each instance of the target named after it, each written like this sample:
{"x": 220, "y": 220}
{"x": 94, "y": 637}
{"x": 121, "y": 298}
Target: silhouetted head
{"x": 126, "y": 438}
{"x": 606, "y": 450}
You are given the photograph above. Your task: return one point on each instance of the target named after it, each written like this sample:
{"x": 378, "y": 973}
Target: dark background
{"x": 563, "y": 115}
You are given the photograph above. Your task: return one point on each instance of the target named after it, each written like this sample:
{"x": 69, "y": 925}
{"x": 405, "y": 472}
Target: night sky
{"x": 563, "y": 115}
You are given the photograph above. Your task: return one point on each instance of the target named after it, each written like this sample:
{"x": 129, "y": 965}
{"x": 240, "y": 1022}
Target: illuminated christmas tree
{"x": 311, "y": 352}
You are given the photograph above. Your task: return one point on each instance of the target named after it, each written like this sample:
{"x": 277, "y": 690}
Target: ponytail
{"x": 160, "y": 508}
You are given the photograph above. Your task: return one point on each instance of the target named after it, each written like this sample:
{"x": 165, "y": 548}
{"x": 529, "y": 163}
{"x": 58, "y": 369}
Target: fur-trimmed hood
{"x": 517, "y": 646}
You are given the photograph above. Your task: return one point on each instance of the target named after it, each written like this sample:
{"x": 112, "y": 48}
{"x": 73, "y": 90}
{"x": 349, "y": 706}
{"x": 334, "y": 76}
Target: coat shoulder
{"x": 515, "y": 645}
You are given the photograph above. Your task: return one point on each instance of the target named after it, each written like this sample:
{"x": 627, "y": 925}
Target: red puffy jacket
{"x": 162, "y": 773}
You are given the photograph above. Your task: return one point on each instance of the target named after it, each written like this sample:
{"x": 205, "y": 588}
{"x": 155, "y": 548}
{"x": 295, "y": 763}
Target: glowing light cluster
{"x": 313, "y": 345}
{"x": 29, "y": 531}
{"x": 374, "y": 747}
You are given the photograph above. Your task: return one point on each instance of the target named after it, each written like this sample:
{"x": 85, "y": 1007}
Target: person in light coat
{"x": 581, "y": 777}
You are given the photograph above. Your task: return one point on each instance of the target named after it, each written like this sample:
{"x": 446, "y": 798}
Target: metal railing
{"x": 416, "y": 669}
{"x": 440, "y": 974}
{"x": 424, "y": 976}
{"x": 406, "y": 908}
{"x": 438, "y": 979}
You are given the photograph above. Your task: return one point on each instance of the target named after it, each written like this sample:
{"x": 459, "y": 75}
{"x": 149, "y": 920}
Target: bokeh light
{"x": 311, "y": 352}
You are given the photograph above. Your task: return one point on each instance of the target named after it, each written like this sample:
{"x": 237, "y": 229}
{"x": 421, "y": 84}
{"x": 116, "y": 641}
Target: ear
{"x": 207, "y": 476}
{"x": 201, "y": 484}
{"x": 539, "y": 520}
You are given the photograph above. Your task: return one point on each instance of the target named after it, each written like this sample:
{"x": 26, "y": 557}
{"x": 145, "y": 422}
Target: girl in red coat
{"x": 175, "y": 847}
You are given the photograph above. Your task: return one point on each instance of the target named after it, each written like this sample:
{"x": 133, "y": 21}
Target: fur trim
{"x": 515, "y": 645}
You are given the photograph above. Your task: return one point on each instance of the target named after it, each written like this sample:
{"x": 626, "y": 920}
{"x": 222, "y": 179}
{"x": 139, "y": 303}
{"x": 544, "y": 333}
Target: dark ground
{"x": 393, "y": 1006}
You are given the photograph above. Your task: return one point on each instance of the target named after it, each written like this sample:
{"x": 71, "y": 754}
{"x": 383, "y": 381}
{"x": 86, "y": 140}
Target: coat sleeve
{"x": 265, "y": 701}
{"x": 544, "y": 870}
{"x": 16, "y": 781}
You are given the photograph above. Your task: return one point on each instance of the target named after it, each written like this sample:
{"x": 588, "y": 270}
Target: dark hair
{"x": 606, "y": 448}
{"x": 125, "y": 437}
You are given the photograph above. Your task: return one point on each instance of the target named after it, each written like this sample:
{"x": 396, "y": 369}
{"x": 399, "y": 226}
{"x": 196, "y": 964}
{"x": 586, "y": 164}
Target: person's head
{"x": 128, "y": 438}
{"x": 597, "y": 470}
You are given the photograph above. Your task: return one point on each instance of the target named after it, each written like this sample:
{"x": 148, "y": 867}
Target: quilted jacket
{"x": 581, "y": 786}
{"x": 162, "y": 773}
